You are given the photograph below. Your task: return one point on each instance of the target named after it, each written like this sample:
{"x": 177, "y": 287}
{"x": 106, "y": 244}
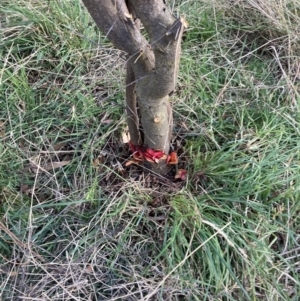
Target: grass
{"x": 74, "y": 227}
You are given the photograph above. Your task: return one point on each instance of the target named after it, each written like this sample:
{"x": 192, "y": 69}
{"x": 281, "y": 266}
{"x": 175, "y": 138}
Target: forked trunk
{"x": 152, "y": 69}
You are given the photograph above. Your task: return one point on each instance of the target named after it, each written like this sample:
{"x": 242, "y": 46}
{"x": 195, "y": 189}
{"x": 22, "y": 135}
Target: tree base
{"x": 161, "y": 168}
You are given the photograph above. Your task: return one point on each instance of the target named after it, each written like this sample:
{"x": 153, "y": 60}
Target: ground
{"x": 76, "y": 223}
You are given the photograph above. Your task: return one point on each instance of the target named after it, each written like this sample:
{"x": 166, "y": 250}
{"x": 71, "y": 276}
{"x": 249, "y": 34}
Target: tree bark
{"x": 152, "y": 66}
{"x": 131, "y": 108}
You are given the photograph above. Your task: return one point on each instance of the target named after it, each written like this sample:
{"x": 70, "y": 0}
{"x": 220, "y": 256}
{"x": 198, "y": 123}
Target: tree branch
{"x": 131, "y": 107}
{"x": 156, "y": 71}
{"x": 155, "y": 16}
{"x": 115, "y": 21}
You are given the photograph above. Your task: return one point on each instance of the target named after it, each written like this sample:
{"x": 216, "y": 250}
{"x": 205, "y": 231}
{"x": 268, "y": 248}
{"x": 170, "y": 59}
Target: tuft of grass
{"x": 73, "y": 226}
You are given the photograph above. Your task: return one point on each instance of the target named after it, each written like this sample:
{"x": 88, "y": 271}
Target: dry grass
{"x": 76, "y": 224}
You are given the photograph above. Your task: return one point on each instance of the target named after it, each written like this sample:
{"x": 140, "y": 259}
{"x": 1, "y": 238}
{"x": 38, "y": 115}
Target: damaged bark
{"x": 152, "y": 67}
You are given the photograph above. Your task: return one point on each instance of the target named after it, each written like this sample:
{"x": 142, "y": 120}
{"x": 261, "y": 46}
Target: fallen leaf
{"x": 130, "y": 162}
{"x": 98, "y": 161}
{"x": 181, "y": 174}
{"x": 172, "y": 158}
{"x": 138, "y": 157}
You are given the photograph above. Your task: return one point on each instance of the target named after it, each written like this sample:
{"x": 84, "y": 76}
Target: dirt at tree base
{"x": 158, "y": 187}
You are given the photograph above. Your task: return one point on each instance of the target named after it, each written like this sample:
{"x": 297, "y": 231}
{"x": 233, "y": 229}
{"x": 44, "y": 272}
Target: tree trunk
{"x": 152, "y": 68}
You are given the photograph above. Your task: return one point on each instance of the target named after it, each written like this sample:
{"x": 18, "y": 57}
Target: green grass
{"x": 71, "y": 229}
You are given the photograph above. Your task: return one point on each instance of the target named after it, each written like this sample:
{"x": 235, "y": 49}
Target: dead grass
{"x": 76, "y": 224}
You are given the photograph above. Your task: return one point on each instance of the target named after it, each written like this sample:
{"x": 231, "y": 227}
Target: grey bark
{"x": 152, "y": 66}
